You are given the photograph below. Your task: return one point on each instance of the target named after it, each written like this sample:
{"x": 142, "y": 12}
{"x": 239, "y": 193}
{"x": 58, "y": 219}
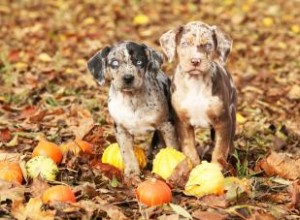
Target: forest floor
{"x": 46, "y": 91}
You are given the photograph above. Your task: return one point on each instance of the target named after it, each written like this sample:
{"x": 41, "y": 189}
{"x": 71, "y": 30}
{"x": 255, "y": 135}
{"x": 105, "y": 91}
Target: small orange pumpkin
{"x": 153, "y": 192}
{"x": 59, "y": 193}
{"x": 49, "y": 149}
{"x": 11, "y": 171}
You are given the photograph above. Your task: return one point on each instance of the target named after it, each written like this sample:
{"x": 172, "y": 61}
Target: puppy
{"x": 139, "y": 98}
{"x": 203, "y": 93}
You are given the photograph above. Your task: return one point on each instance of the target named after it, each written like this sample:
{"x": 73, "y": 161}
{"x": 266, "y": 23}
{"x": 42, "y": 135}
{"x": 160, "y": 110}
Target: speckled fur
{"x": 203, "y": 95}
{"x": 139, "y": 107}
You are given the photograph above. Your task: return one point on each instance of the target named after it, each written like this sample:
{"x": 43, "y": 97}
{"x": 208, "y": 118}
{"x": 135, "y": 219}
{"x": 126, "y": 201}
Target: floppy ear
{"x": 223, "y": 43}
{"x": 97, "y": 64}
{"x": 168, "y": 42}
{"x": 155, "y": 58}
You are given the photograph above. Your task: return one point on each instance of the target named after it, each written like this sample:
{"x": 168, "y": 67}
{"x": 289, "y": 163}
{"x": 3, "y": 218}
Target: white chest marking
{"x": 137, "y": 121}
{"x": 196, "y": 101}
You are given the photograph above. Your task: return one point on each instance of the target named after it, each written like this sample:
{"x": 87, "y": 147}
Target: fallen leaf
{"x": 294, "y": 93}
{"x": 180, "y": 211}
{"x": 141, "y": 19}
{"x": 268, "y": 21}
{"x": 32, "y": 210}
{"x": 214, "y": 201}
{"x": 295, "y": 194}
{"x": 236, "y": 188}
{"x": 108, "y": 170}
{"x": 44, "y": 57}
{"x": 5, "y": 135}
{"x": 295, "y": 28}
{"x": 38, "y": 186}
{"x": 10, "y": 192}
{"x": 240, "y": 119}
{"x": 180, "y": 174}
{"x": 280, "y": 164}
{"x": 205, "y": 215}
{"x": 260, "y": 215}
{"x": 169, "y": 217}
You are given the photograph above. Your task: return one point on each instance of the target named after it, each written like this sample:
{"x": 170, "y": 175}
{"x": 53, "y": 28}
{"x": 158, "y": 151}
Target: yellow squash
{"x": 205, "y": 179}
{"x": 112, "y": 156}
{"x": 166, "y": 160}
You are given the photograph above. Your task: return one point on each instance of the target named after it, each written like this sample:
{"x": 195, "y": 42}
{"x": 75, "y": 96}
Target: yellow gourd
{"x": 112, "y": 156}
{"x": 204, "y": 179}
{"x": 166, "y": 160}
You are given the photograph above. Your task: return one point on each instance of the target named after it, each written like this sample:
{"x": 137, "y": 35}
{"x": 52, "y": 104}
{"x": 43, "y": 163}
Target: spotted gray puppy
{"x": 203, "y": 93}
{"x": 139, "y": 99}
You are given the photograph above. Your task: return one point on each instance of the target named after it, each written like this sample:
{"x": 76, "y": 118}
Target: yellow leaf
{"x": 141, "y": 19}
{"x": 295, "y": 28}
{"x": 240, "y": 119}
{"x": 21, "y": 66}
{"x": 268, "y": 21}
{"x": 44, "y": 57}
{"x": 88, "y": 21}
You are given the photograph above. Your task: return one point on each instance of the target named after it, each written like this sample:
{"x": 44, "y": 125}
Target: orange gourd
{"x": 59, "y": 193}
{"x": 153, "y": 192}
{"x": 11, "y": 171}
{"x": 49, "y": 149}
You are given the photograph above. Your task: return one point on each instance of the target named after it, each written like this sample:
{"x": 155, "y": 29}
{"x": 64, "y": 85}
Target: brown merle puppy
{"x": 203, "y": 93}
{"x": 139, "y": 99}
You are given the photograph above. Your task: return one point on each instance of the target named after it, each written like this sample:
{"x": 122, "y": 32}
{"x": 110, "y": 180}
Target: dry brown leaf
{"x": 180, "y": 174}
{"x": 10, "y": 192}
{"x": 259, "y": 215}
{"x": 32, "y": 210}
{"x": 108, "y": 170}
{"x": 9, "y": 156}
{"x": 205, "y": 215}
{"x": 169, "y": 217}
{"x": 5, "y": 135}
{"x": 295, "y": 194}
{"x": 280, "y": 164}
{"x": 37, "y": 187}
{"x": 214, "y": 201}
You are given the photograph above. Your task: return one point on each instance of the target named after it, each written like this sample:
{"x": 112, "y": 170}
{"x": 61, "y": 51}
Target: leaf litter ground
{"x": 46, "y": 91}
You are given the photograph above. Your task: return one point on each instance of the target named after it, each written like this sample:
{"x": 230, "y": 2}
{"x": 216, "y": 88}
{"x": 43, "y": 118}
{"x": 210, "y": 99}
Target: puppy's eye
{"x": 139, "y": 62}
{"x": 184, "y": 44}
{"x": 208, "y": 46}
{"x": 115, "y": 64}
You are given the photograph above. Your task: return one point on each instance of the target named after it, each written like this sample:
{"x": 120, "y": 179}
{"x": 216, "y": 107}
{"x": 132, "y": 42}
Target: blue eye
{"x": 115, "y": 64}
{"x": 139, "y": 62}
{"x": 184, "y": 44}
{"x": 208, "y": 46}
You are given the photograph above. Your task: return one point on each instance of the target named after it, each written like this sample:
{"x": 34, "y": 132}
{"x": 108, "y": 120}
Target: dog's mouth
{"x": 127, "y": 89}
{"x": 194, "y": 71}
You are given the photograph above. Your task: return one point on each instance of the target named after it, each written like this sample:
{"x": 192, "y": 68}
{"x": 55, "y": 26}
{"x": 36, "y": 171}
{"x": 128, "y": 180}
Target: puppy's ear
{"x": 155, "y": 58}
{"x": 168, "y": 42}
{"x": 223, "y": 43}
{"x": 97, "y": 64}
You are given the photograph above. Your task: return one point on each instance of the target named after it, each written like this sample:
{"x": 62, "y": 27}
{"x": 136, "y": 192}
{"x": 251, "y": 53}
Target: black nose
{"x": 128, "y": 78}
{"x": 195, "y": 61}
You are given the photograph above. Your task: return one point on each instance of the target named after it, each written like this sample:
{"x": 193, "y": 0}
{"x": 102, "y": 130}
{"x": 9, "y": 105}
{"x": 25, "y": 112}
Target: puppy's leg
{"x": 168, "y": 133}
{"x": 187, "y": 141}
{"x": 223, "y": 142}
{"x": 125, "y": 140}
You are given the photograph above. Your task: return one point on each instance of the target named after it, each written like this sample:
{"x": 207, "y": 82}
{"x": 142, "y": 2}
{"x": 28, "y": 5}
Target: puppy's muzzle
{"x": 128, "y": 79}
{"x": 195, "y": 62}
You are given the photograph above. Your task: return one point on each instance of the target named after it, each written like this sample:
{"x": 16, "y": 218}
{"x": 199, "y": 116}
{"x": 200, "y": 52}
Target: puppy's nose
{"x": 128, "y": 78}
{"x": 195, "y": 61}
